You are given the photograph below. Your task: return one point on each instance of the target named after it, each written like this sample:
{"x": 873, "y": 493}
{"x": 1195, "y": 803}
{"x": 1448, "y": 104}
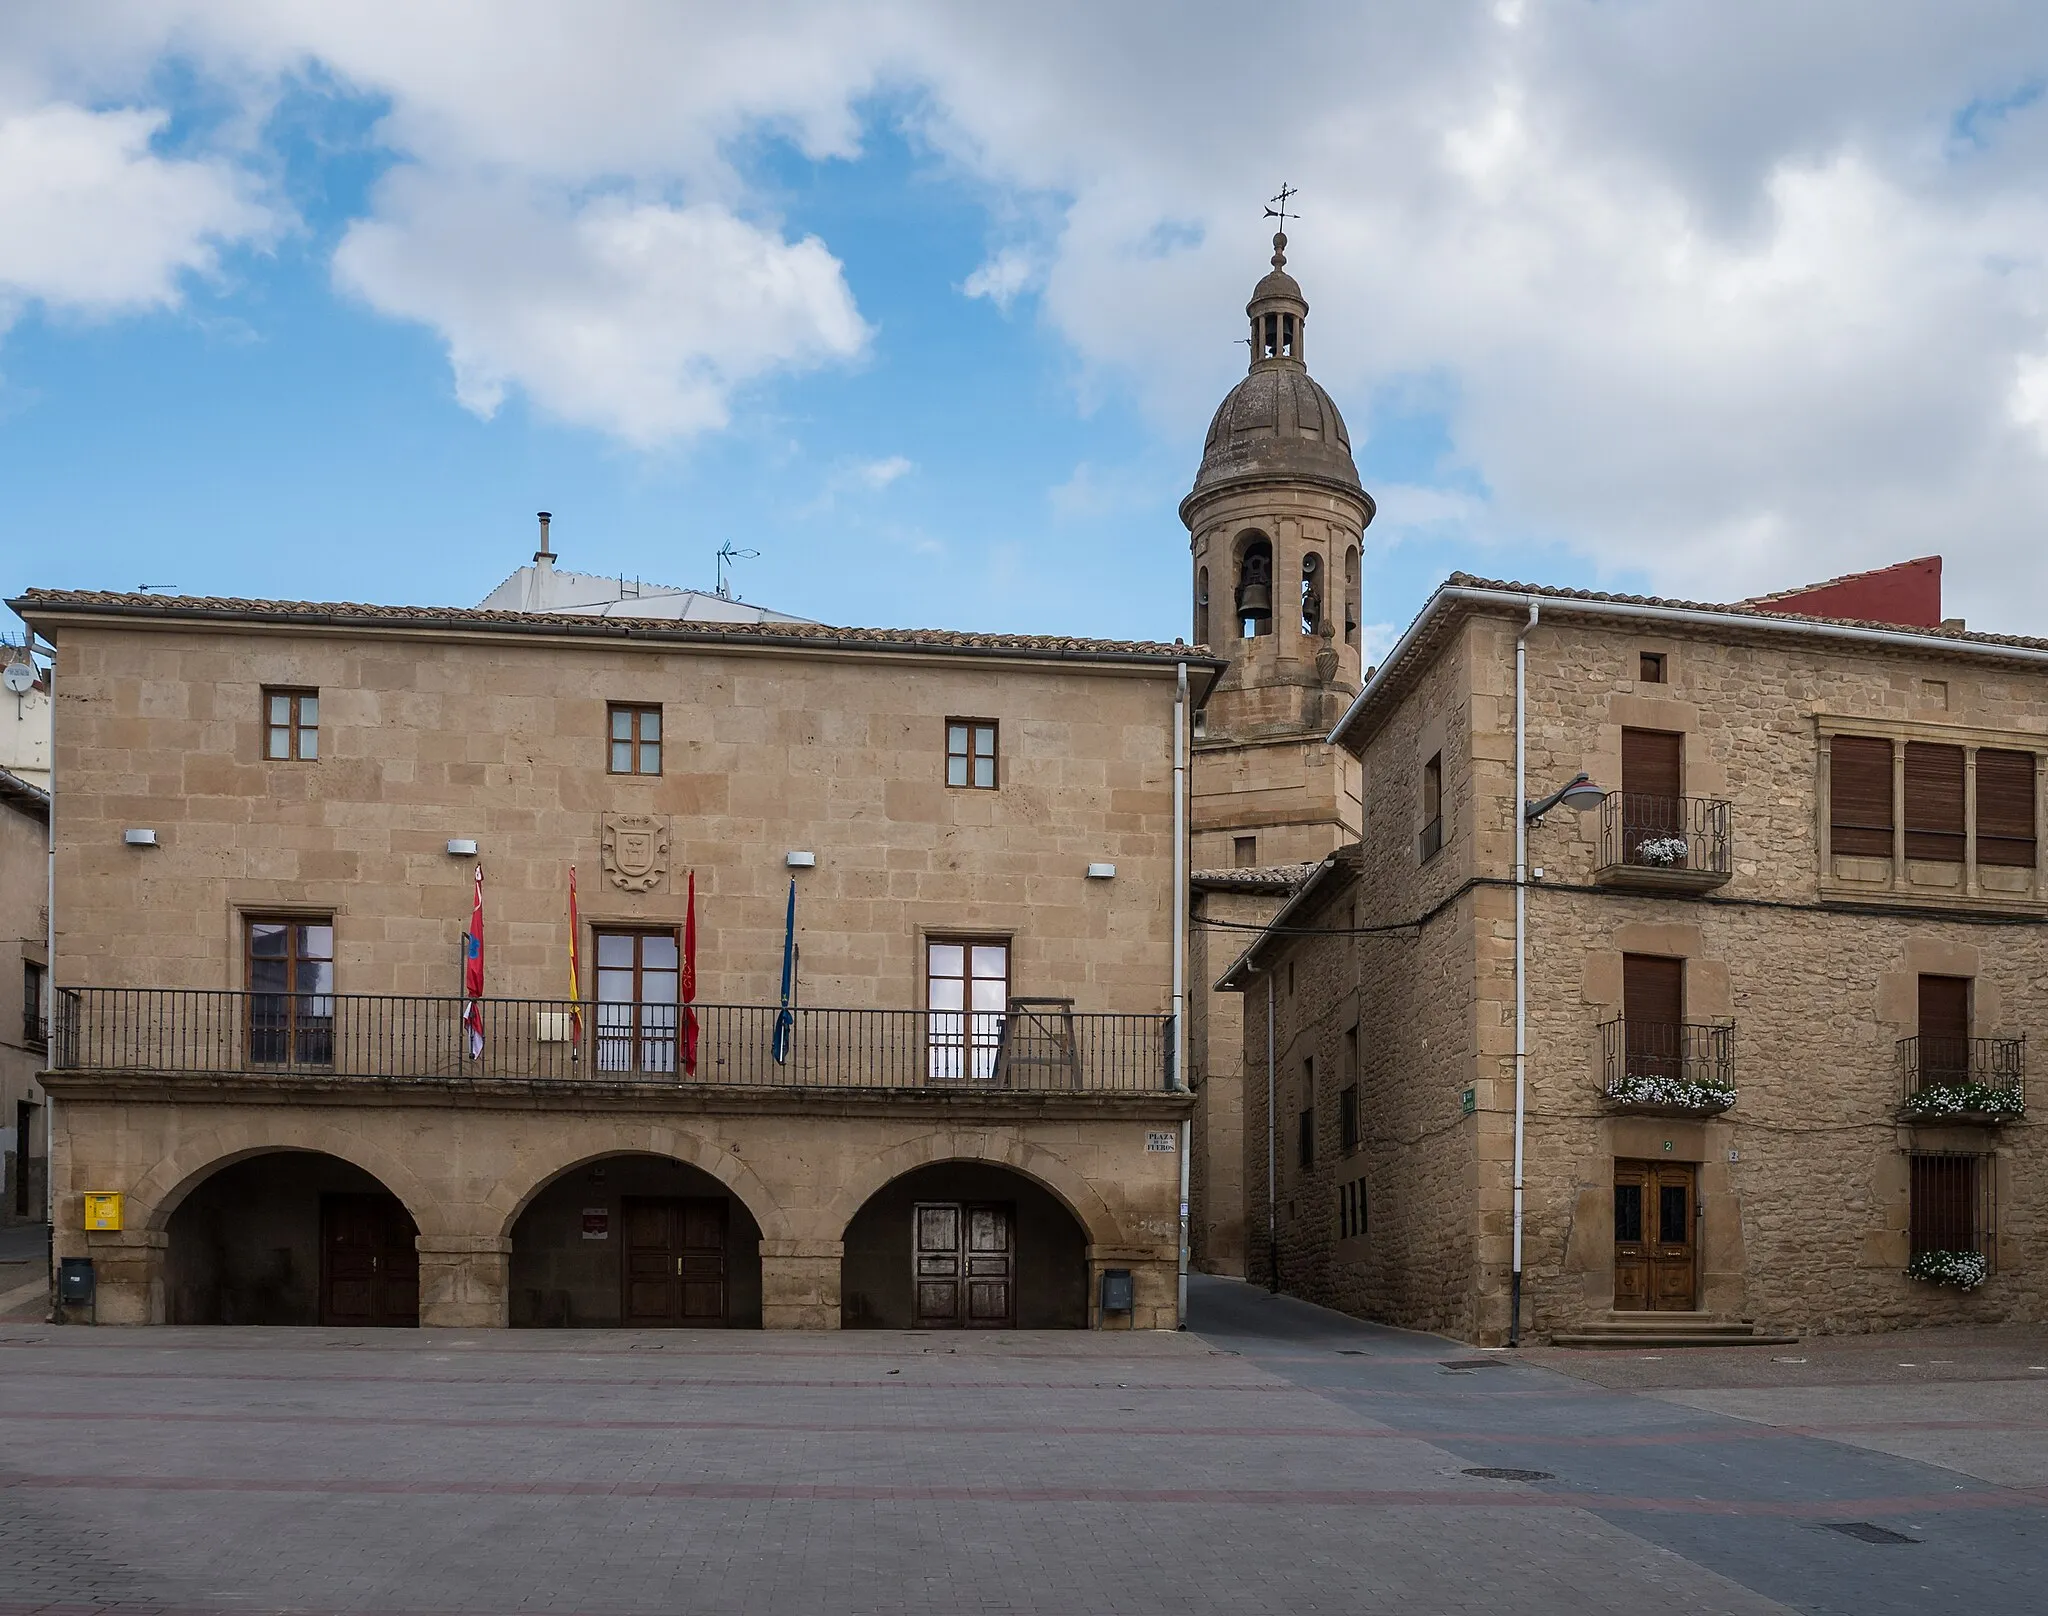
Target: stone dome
{"x": 1277, "y": 423}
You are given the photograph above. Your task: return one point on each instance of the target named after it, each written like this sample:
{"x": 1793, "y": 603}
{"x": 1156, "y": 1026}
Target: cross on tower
{"x": 1287, "y": 194}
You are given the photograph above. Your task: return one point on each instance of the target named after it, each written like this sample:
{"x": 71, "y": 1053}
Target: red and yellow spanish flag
{"x": 575, "y": 974}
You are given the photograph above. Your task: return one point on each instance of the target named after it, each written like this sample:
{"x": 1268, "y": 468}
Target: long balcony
{"x": 1035, "y": 1045}
{"x": 1665, "y": 1068}
{"x": 1963, "y": 1079}
{"x": 1664, "y": 844}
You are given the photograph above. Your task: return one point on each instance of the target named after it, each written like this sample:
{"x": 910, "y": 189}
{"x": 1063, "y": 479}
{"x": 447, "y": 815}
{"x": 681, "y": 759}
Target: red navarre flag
{"x": 690, "y": 981}
{"x": 473, "y": 970}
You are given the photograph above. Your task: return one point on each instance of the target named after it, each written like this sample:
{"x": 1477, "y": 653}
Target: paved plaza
{"x": 1276, "y": 1458}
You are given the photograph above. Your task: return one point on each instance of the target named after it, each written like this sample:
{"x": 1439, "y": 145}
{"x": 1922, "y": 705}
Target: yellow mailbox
{"x": 103, "y": 1211}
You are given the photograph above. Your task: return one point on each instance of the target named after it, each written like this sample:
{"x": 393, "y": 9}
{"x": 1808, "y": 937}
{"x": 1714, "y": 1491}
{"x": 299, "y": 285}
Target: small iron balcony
{"x": 1963, "y": 1079}
{"x": 1664, "y": 844}
{"x": 1665, "y": 1068}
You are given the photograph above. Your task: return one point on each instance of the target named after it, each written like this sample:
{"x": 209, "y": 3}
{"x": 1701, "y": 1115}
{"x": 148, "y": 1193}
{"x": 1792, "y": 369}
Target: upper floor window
{"x": 2005, "y": 808}
{"x": 35, "y": 1028}
{"x": 635, "y": 739}
{"x": 1870, "y": 777}
{"x": 1244, "y": 852}
{"x": 1650, "y": 668}
{"x": 1860, "y": 796}
{"x": 1347, "y": 1116}
{"x": 966, "y": 995}
{"x": 1432, "y": 807}
{"x": 1305, "y": 1145}
{"x": 291, "y": 724}
{"x": 971, "y": 753}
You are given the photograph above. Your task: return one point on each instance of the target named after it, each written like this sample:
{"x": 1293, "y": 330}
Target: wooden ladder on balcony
{"x": 1038, "y": 1037}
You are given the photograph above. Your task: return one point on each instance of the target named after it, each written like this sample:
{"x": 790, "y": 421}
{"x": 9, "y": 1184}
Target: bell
{"x": 1256, "y": 600}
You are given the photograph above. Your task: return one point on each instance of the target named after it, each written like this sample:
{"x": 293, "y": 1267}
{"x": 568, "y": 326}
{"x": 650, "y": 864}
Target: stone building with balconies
{"x": 875, "y": 940}
{"x": 1763, "y": 975}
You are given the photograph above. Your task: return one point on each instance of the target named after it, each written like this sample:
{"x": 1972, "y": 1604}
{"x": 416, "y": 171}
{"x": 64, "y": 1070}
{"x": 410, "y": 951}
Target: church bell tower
{"x": 1275, "y": 520}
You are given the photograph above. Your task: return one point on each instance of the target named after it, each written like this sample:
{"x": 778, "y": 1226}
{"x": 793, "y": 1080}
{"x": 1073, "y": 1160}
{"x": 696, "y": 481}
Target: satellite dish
{"x": 19, "y": 678}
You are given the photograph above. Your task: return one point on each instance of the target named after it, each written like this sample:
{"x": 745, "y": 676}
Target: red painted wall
{"x": 1908, "y": 594}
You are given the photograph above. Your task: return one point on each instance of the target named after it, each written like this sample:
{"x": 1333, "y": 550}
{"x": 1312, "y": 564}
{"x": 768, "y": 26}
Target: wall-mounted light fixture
{"x": 801, "y": 861}
{"x": 462, "y": 847}
{"x": 1102, "y": 872}
{"x": 139, "y": 838}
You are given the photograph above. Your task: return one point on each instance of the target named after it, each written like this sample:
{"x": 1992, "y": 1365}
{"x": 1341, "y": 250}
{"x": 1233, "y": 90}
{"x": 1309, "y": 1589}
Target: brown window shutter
{"x": 1944, "y": 1007}
{"x": 1934, "y": 802}
{"x": 1653, "y": 989}
{"x": 2005, "y": 808}
{"x": 1860, "y": 793}
{"x": 1651, "y": 763}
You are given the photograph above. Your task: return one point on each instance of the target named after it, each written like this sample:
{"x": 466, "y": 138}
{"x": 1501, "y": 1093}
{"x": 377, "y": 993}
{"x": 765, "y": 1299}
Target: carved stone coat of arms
{"x": 636, "y": 851}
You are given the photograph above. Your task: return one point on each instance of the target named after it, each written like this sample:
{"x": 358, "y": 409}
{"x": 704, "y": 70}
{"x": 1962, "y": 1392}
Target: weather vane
{"x": 1287, "y": 194}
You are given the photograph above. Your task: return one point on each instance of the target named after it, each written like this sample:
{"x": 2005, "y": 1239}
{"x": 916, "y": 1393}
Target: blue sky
{"x": 1583, "y": 332}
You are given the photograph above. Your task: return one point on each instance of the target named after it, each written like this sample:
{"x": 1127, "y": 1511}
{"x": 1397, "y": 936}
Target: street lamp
{"x": 1580, "y": 795}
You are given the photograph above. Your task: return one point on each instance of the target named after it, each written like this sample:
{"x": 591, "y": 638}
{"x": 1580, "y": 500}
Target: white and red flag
{"x": 473, "y": 971}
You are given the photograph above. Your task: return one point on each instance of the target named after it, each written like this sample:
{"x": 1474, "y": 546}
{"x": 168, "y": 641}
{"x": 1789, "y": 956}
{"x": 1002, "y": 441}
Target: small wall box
{"x": 103, "y": 1212}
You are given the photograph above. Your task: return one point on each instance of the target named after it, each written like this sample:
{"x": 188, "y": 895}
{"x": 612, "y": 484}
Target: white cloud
{"x": 92, "y": 220}
{"x": 876, "y": 475}
{"x": 1002, "y": 277}
{"x": 637, "y": 319}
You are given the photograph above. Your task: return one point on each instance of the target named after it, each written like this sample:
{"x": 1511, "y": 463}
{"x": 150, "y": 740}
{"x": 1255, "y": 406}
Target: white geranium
{"x": 1965, "y": 1270}
{"x": 1663, "y": 850}
{"x": 1682, "y": 1093}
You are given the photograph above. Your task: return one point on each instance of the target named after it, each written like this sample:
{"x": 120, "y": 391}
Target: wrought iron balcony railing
{"x": 1684, "y": 1067}
{"x": 1648, "y": 841}
{"x": 1036, "y": 1044}
{"x": 1963, "y": 1077}
{"x": 35, "y": 1032}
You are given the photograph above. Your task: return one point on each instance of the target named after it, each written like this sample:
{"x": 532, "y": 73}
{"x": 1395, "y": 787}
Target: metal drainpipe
{"x": 1180, "y": 944}
{"x": 1272, "y": 1149}
{"x": 1521, "y": 958}
{"x": 50, "y": 1032}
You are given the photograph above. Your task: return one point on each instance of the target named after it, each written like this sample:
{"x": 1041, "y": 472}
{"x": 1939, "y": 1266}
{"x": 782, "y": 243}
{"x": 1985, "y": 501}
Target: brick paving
{"x": 1278, "y": 1458}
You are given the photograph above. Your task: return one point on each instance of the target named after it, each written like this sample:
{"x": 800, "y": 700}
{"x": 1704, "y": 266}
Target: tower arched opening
{"x": 1311, "y": 594}
{"x": 291, "y": 1237}
{"x": 1254, "y": 585}
{"x": 1351, "y": 596}
{"x": 638, "y": 1241}
{"x": 1202, "y": 607}
{"x": 964, "y": 1245}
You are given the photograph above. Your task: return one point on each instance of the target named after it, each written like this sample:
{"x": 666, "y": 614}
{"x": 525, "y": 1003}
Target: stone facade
{"x": 1806, "y": 960}
{"x": 435, "y": 727}
{"x": 24, "y": 888}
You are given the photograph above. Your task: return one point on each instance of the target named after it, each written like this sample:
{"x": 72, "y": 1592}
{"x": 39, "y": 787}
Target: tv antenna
{"x": 727, "y": 555}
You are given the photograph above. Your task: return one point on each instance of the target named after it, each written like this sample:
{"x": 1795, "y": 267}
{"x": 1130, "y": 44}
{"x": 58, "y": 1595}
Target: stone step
{"x": 1632, "y": 1330}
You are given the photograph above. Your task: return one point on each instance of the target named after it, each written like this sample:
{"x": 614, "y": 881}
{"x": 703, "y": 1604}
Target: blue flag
{"x": 785, "y": 1019}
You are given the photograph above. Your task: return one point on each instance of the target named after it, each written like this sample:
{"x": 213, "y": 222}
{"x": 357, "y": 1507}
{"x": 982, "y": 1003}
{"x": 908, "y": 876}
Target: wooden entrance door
{"x": 369, "y": 1264}
{"x": 674, "y": 1261}
{"x": 1655, "y": 1216}
{"x": 963, "y": 1265}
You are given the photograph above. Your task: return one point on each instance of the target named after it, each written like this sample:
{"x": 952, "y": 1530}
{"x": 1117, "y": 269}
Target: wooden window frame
{"x": 1858, "y": 829}
{"x": 977, "y": 1041}
{"x": 635, "y": 740}
{"x": 641, "y": 1032}
{"x": 35, "y": 1025}
{"x": 308, "y": 1040}
{"x": 1937, "y": 802}
{"x": 971, "y": 754}
{"x": 296, "y": 730}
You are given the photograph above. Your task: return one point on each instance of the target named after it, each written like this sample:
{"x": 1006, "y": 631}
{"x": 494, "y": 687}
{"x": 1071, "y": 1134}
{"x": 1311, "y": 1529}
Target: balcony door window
{"x": 966, "y": 992}
{"x": 638, "y": 977}
{"x": 1653, "y": 1015}
{"x": 1860, "y": 796}
{"x": 1652, "y": 795}
{"x": 1944, "y": 1029}
{"x": 289, "y": 967}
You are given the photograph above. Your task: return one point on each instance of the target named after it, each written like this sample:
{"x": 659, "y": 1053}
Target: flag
{"x": 785, "y": 1019}
{"x": 473, "y": 970}
{"x": 690, "y": 981}
{"x": 575, "y": 975}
